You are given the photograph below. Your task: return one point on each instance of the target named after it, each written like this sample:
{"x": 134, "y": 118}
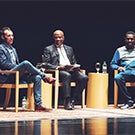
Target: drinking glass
{"x": 97, "y": 66}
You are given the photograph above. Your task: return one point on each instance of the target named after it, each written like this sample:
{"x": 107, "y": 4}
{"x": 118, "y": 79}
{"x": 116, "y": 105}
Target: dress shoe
{"x": 68, "y": 105}
{"x": 48, "y": 79}
{"x": 42, "y": 109}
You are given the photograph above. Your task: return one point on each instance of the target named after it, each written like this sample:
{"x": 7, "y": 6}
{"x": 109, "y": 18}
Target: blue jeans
{"x": 29, "y": 74}
{"x": 122, "y": 78}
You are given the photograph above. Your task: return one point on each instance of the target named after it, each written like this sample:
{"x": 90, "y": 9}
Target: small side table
{"x": 97, "y": 90}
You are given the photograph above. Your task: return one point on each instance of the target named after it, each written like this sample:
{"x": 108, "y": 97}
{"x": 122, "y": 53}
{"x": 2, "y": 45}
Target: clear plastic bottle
{"x": 24, "y": 103}
{"x": 104, "y": 67}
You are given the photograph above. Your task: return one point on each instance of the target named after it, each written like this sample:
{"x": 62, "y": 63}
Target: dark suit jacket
{"x": 51, "y": 56}
{"x": 5, "y": 60}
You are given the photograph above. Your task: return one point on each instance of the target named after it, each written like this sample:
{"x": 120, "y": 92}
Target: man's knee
{"x": 26, "y": 62}
{"x": 37, "y": 78}
{"x": 117, "y": 78}
{"x": 65, "y": 75}
{"x": 86, "y": 78}
{"x": 83, "y": 78}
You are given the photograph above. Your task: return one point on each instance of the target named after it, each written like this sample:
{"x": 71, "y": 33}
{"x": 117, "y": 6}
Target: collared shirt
{"x": 13, "y": 58}
{"x": 63, "y": 56}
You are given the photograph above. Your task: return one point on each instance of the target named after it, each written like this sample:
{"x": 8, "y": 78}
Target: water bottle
{"x": 24, "y": 103}
{"x": 104, "y": 67}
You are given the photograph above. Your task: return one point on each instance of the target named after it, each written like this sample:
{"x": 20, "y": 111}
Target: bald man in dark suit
{"x": 57, "y": 56}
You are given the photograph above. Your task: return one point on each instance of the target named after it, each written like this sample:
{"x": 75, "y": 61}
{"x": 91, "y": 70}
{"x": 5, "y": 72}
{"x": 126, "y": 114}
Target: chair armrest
{"x": 115, "y": 72}
{"x": 8, "y": 72}
{"x": 11, "y": 72}
{"x": 83, "y": 71}
{"x": 51, "y": 70}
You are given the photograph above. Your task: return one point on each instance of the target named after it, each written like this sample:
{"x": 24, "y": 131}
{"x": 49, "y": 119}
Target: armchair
{"x": 58, "y": 84}
{"x": 16, "y": 86}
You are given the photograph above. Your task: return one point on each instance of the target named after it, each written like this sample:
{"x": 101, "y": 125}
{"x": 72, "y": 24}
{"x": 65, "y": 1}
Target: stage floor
{"x": 87, "y": 121}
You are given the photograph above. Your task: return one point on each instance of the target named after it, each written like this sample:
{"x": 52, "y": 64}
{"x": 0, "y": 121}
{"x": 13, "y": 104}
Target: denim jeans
{"x": 127, "y": 76}
{"x": 29, "y": 73}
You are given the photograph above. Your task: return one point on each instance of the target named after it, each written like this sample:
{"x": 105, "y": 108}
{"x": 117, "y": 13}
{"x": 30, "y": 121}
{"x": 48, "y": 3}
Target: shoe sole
{"x": 43, "y": 111}
{"x": 127, "y": 108}
{"x": 69, "y": 108}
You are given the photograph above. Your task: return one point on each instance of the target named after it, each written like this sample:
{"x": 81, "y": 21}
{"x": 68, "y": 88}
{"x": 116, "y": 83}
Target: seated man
{"x": 57, "y": 56}
{"x": 124, "y": 61}
{"x": 9, "y": 61}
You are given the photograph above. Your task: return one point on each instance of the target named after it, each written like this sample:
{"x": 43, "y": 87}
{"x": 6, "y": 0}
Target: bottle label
{"x": 24, "y": 103}
{"x": 104, "y": 68}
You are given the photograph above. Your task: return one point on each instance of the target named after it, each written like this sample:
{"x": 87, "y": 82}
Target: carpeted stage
{"x": 60, "y": 113}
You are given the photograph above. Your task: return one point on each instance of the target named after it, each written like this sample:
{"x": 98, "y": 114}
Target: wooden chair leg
{"x": 56, "y": 97}
{"x": 115, "y": 95}
{"x": 83, "y": 99}
{"x": 16, "y": 98}
{"x": 8, "y": 94}
{"x": 83, "y": 93}
{"x": 56, "y": 89}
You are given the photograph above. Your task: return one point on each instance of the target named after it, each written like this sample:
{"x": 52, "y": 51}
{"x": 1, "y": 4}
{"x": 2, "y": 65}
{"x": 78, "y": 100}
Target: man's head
{"x": 58, "y": 36}
{"x": 7, "y": 35}
{"x": 130, "y": 39}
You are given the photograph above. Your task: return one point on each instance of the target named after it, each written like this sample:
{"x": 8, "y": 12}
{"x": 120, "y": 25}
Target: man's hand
{"x": 61, "y": 67}
{"x": 121, "y": 69}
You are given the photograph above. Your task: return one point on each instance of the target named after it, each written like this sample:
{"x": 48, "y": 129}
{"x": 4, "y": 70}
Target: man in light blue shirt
{"x": 124, "y": 61}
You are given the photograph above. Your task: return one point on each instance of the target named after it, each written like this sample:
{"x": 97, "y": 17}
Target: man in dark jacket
{"x": 58, "y": 56}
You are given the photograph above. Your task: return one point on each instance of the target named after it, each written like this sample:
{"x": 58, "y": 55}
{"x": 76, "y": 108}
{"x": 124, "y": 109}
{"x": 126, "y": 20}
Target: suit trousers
{"x": 81, "y": 82}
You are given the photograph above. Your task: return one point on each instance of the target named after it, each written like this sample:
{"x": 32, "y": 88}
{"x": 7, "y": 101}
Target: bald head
{"x": 58, "y": 32}
{"x": 58, "y": 36}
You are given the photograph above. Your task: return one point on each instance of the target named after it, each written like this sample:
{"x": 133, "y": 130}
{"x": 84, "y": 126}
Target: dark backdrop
{"x": 93, "y": 29}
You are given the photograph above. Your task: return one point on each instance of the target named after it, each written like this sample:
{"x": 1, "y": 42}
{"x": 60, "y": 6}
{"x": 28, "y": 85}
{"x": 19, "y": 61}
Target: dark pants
{"x": 66, "y": 77}
{"x": 122, "y": 78}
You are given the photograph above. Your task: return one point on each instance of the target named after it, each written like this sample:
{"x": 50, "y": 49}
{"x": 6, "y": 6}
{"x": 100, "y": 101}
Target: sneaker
{"x": 127, "y": 106}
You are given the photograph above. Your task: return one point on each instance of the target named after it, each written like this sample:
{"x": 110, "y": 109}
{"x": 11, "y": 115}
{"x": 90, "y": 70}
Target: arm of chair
{"x": 8, "y": 72}
{"x": 83, "y": 71}
{"x": 115, "y": 72}
{"x": 11, "y": 72}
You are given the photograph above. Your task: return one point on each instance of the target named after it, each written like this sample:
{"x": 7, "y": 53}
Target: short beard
{"x": 130, "y": 46}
